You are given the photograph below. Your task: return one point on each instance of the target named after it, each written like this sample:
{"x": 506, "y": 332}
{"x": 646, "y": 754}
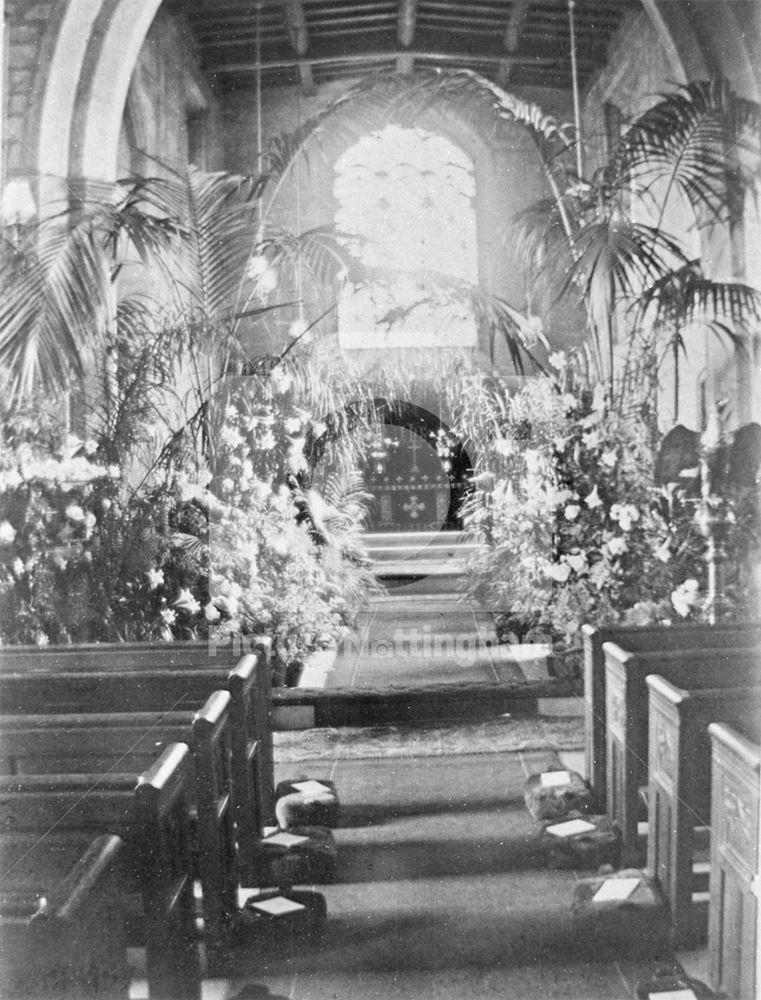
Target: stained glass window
{"x": 406, "y": 203}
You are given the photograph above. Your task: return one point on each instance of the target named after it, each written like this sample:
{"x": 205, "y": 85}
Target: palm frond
{"x": 615, "y": 259}
{"x": 54, "y": 309}
{"x": 690, "y": 140}
{"x": 685, "y": 296}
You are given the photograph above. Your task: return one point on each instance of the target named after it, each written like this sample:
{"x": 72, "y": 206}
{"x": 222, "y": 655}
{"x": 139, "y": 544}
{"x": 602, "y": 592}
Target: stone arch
{"x": 705, "y": 42}
{"x": 85, "y": 88}
{"x": 102, "y": 93}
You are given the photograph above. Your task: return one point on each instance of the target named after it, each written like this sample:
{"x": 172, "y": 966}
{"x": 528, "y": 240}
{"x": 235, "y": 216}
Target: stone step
{"x": 412, "y": 539}
{"x": 396, "y": 553}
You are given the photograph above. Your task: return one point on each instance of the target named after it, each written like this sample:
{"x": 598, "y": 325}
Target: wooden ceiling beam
{"x": 358, "y": 58}
{"x": 515, "y": 23}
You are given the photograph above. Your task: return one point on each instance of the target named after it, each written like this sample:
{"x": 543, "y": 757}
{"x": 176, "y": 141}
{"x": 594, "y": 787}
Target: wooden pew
{"x": 48, "y": 820}
{"x": 733, "y": 915}
{"x": 679, "y": 786}
{"x": 642, "y": 639}
{"x": 66, "y": 680}
{"x": 135, "y": 677}
{"x": 627, "y": 715}
{"x": 70, "y": 942}
{"x": 130, "y": 743}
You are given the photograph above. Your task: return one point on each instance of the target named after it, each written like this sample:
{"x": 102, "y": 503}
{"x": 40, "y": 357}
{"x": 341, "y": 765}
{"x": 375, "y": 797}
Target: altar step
{"x": 427, "y": 562}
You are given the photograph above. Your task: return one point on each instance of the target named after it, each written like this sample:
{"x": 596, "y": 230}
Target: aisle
{"x": 442, "y": 892}
{"x": 416, "y": 640}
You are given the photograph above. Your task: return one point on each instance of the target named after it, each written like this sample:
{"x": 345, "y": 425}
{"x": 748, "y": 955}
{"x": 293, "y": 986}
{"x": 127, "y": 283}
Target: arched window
{"x": 406, "y": 204}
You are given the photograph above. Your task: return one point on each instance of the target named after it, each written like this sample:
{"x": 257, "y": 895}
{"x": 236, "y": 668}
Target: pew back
{"x": 733, "y": 919}
{"x": 129, "y": 743}
{"x": 651, "y": 638}
{"x": 627, "y": 714}
{"x": 60, "y": 812}
{"x": 70, "y": 942}
{"x": 679, "y": 784}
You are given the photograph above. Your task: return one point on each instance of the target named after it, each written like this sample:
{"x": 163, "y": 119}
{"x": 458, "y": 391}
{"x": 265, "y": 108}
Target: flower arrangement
{"x": 570, "y": 523}
{"x": 86, "y": 557}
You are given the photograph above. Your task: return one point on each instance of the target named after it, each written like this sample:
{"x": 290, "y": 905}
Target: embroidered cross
{"x": 413, "y": 507}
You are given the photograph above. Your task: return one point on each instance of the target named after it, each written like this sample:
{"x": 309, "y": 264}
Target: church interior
{"x": 380, "y": 499}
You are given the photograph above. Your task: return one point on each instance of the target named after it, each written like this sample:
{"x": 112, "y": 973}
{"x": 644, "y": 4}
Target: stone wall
{"x": 26, "y": 28}
{"x": 639, "y": 69}
{"x": 508, "y": 174}
{"x": 171, "y": 116}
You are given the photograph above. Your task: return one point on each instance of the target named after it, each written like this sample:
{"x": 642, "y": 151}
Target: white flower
{"x": 18, "y": 567}
{"x": 106, "y": 503}
{"x": 628, "y": 514}
{"x": 280, "y": 546}
{"x": 577, "y": 561}
{"x": 267, "y": 281}
{"x": 503, "y": 446}
{"x": 598, "y": 397}
{"x": 186, "y": 602}
{"x": 211, "y": 613}
{"x": 292, "y": 425}
{"x": 609, "y": 458}
{"x": 231, "y": 436}
{"x": 319, "y": 429}
{"x": 228, "y": 604}
{"x": 60, "y": 561}
{"x": 560, "y": 572}
{"x": 9, "y": 479}
{"x": 75, "y": 513}
{"x": 155, "y": 578}
{"x": 257, "y": 265}
{"x": 592, "y": 499}
{"x": 91, "y": 446}
{"x": 7, "y": 532}
{"x": 617, "y": 546}
{"x": 559, "y": 443}
{"x": 663, "y": 552}
{"x": 592, "y": 439}
{"x": 168, "y": 616}
{"x": 267, "y": 442}
{"x": 558, "y": 360}
{"x": 572, "y": 511}
{"x": 281, "y": 379}
{"x": 41, "y": 639}
{"x": 533, "y": 460}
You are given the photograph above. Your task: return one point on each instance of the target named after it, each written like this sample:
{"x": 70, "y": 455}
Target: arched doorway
{"x": 416, "y": 470}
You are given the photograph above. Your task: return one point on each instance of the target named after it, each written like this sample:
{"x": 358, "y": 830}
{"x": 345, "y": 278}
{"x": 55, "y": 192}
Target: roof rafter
{"x": 354, "y": 58}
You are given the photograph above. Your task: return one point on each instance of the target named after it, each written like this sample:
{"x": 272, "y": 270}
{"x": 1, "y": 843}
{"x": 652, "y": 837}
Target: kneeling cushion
{"x": 316, "y": 804}
{"x": 632, "y": 915}
{"x": 578, "y": 841}
{"x": 554, "y": 794}
{"x": 313, "y": 860}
